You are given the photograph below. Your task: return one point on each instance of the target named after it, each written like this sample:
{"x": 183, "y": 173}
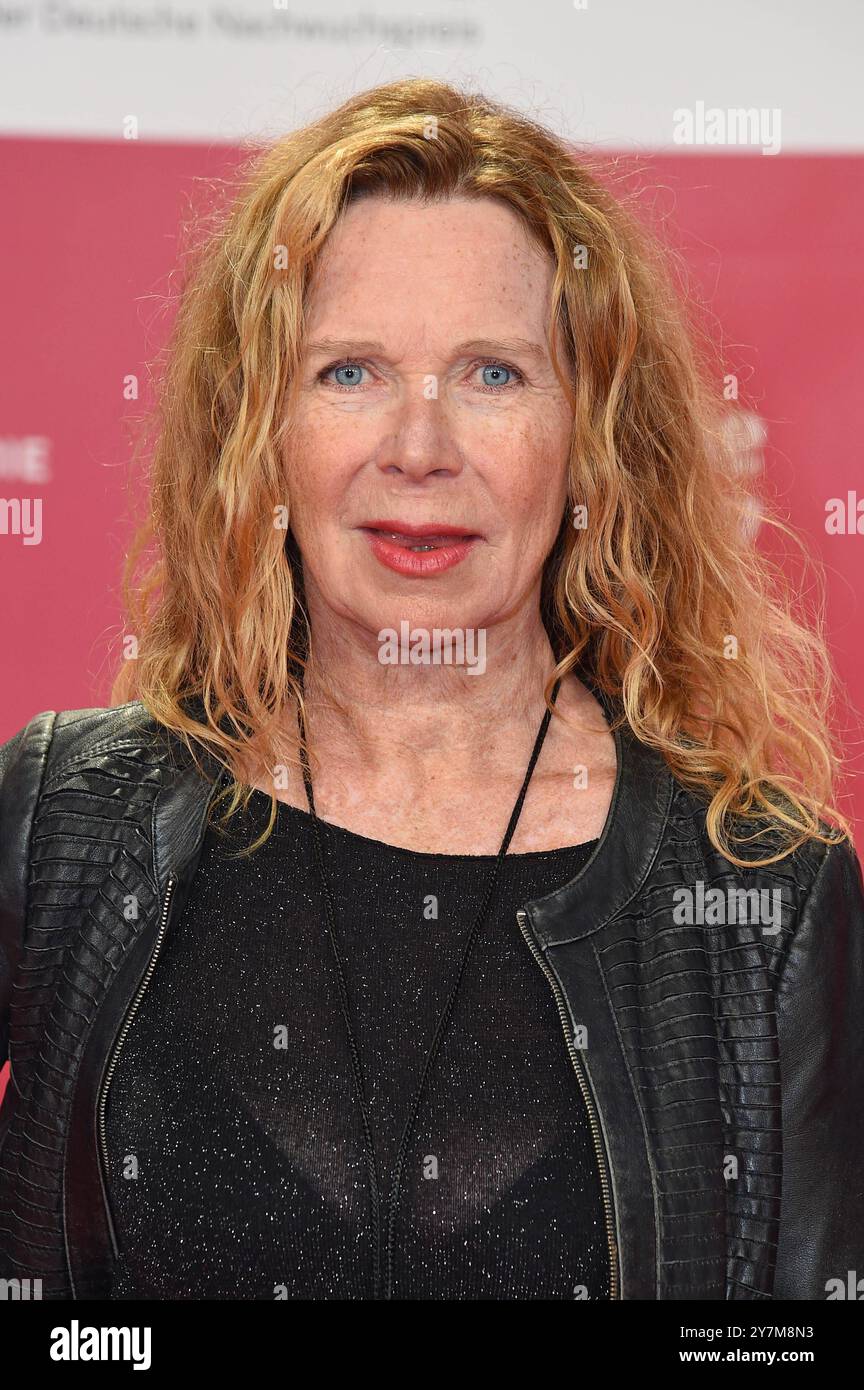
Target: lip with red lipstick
{"x": 418, "y": 550}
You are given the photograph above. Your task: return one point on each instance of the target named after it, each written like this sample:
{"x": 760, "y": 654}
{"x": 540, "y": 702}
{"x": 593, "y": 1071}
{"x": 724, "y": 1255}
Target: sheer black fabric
{"x": 236, "y": 1159}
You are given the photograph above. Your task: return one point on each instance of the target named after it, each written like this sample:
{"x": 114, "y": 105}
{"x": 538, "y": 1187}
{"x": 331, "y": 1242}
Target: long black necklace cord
{"x": 356, "y": 1066}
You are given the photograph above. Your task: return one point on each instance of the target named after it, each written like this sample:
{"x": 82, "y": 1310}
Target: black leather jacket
{"x": 722, "y": 1062}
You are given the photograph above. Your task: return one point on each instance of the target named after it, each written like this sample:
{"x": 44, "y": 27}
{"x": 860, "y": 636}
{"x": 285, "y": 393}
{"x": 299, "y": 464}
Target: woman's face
{"x": 428, "y": 404}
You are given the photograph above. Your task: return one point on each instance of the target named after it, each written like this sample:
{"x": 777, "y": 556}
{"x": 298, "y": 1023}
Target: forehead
{"x": 463, "y": 266}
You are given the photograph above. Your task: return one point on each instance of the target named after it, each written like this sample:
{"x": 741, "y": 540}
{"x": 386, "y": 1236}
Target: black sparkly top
{"x": 237, "y": 1166}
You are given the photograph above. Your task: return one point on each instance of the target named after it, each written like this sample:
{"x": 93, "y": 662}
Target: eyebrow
{"x": 491, "y": 346}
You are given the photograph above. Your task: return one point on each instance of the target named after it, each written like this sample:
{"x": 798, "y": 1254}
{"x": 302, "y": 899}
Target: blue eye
{"x": 353, "y": 370}
{"x": 496, "y": 372}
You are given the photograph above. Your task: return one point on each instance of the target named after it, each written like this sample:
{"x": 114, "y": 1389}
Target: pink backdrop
{"x": 90, "y": 236}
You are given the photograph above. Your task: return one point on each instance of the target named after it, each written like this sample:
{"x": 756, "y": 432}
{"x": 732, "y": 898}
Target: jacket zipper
{"x": 584, "y": 1087}
{"x": 124, "y": 1029}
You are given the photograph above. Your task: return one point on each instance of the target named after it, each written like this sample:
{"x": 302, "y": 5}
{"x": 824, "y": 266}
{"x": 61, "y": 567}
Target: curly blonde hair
{"x": 662, "y": 595}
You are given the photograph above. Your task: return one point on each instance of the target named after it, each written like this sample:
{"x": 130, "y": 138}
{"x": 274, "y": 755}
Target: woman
{"x": 524, "y": 959}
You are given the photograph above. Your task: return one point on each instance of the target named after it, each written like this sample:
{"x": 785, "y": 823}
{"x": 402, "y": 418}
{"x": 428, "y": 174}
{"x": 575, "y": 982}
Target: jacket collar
{"x": 629, "y": 842}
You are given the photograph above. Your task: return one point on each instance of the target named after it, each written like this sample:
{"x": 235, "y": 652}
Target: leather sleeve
{"x": 23, "y": 759}
{"x": 820, "y": 1011}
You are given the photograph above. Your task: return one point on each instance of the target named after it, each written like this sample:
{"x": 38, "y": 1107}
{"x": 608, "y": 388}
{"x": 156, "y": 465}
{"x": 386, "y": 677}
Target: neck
{"x": 364, "y": 711}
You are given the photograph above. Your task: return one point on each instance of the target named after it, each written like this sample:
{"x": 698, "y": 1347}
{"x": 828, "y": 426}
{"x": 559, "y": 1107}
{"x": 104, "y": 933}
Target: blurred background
{"x": 738, "y": 125}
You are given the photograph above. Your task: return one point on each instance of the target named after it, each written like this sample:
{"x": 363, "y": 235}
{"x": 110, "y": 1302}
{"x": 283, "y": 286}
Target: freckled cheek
{"x": 320, "y": 469}
{"x": 530, "y": 483}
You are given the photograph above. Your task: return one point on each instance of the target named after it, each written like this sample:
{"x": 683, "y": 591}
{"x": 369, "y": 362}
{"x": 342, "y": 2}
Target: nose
{"x": 419, "y": 443}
